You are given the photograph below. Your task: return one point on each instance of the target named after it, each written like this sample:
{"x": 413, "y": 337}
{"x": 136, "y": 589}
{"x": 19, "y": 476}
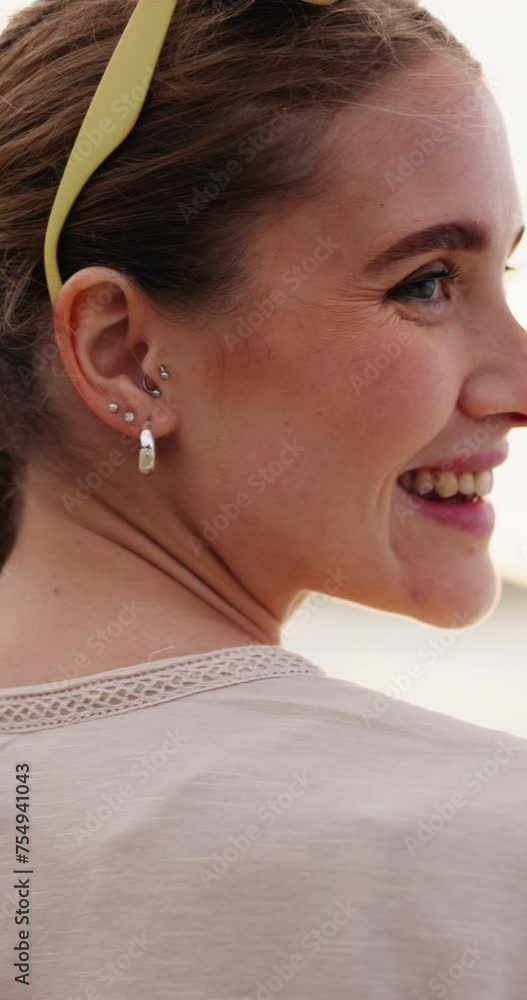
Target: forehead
{"x": 426, "y": 147}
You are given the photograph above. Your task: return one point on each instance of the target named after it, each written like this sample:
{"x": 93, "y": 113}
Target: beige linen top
{"x": 240, "y": 826}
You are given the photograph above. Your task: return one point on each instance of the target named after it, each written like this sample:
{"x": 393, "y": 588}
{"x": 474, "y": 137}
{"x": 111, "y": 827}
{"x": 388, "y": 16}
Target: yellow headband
{"x": 125, "y": 84}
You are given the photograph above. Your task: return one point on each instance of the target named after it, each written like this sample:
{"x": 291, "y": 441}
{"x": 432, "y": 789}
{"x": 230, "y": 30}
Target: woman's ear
{"x": 110, "y": 337}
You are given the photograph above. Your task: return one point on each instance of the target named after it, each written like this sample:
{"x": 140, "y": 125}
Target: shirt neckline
{"x": 57, "y": 703}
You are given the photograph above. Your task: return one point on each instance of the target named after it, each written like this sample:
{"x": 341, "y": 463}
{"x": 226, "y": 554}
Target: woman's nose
{"x": 497, "y": 386}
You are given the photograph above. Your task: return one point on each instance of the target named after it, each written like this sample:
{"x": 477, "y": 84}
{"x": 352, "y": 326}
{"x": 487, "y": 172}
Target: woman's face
{"x": 376, "y": 341}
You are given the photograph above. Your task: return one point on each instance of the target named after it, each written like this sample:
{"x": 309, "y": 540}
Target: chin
{"x": 465, "y": 595}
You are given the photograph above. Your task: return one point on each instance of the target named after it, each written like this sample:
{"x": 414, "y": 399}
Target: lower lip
{"x": 479, "y": 518}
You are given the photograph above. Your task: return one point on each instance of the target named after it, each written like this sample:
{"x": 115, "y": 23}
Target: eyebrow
{"x": 446, "y": 236}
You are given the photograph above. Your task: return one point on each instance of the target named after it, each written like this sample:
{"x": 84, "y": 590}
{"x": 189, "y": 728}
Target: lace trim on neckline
{"x": 62, "y": 703}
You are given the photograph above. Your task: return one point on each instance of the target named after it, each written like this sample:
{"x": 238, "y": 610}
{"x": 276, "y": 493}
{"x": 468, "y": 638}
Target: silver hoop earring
{"x": 147, "y": 454}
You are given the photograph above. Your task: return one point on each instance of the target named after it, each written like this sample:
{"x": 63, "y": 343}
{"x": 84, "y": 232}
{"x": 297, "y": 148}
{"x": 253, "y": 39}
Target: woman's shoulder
{"x": 351, "y": 712}
{"x": 415, "y": 820}
{"x": 367, "y": 755}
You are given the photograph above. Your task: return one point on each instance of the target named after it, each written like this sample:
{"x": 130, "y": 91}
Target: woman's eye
{"x": 423, "y": 289}
{"x": 430, "y": 288}
{"x": 434, "y": 287}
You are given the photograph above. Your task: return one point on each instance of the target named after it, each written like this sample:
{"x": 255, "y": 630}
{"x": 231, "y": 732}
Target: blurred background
{"x": 477, "y": 674}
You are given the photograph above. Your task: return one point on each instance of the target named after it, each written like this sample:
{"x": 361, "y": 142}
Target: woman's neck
{"x": 75, "y": 600}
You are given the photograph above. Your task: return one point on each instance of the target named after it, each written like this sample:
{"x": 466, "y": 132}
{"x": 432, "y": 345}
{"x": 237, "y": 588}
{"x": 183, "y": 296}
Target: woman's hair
{"x": 233, "y": 126}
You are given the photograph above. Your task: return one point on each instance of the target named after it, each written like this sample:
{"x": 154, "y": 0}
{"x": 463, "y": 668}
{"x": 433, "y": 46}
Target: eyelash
{"x": 448, "y": 273}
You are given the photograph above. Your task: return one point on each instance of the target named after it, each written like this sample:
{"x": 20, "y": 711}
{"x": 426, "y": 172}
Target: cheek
{"x": 362, "y": 391}
{"x": 385, "y": 404}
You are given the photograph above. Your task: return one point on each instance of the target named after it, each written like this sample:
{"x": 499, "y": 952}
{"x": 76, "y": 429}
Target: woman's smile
{"x": 453, "y": 491}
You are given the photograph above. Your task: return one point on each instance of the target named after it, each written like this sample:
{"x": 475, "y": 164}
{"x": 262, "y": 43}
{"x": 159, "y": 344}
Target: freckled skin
{"x": 337, "y": 507}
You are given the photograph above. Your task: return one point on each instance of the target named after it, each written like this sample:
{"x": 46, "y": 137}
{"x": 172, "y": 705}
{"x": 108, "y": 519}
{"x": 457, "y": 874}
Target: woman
{"x": 281, "y": 296}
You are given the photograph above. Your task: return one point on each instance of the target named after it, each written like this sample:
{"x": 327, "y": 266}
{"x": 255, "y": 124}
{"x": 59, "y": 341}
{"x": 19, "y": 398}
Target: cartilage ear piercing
{"x": 154, "y": 391}
{"x": 129, "y": 417}
{"x": 114, "y": 407}
{"x": 165, "y": 374}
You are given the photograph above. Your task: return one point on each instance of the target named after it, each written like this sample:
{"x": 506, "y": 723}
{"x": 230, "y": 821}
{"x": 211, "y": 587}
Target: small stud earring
{"x": 165, "y": 374}
{"x": 129, "y": 417}
{"x": 114, "y": 407}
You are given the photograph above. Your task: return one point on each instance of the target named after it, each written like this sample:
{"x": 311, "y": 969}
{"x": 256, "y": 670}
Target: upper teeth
{"x": 448, "y": 484}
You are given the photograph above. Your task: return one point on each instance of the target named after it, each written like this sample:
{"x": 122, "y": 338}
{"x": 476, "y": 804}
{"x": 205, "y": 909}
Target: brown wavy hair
{"x": 243, "y": 96}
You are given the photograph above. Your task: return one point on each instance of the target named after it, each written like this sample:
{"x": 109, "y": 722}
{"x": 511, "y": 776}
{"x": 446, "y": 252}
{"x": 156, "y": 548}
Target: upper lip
{"x": 477, "y": 462}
